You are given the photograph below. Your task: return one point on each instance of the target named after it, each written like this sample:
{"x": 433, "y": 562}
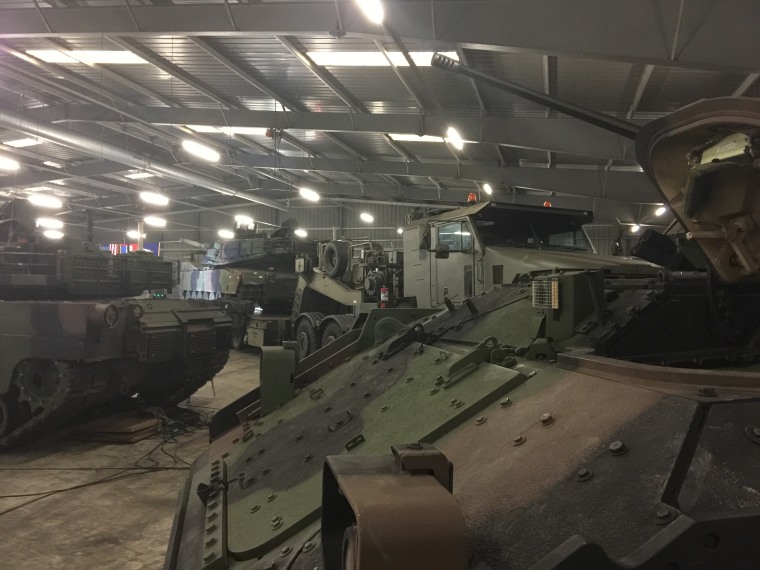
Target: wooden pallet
{"x": 125, "y": 427}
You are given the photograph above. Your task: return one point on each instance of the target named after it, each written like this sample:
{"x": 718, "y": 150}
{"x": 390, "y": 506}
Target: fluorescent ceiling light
{"x": 244, "y": 220}
{"x": 155, "y": 221}
{"x": 660, "y": 211}
{"x": 228, "y": 130}
{"x": 118, "y": 57}
{"x": 44, "y": 201}
{"x": 52, "y": 164}
{"x": 308, "y": 194}
{"x": 399, "y": 231}
{"x": 50, "y": 223}
{"x": 454, "y": 138}
{"x": 8, "y": 164}
{"x": 367, "y": 217}
{"x": 154, "y": 198}
{"x": 301, "y": 233}
{"x": 373, "y": 9}
{"x": 635, "y": 228}
{"x": 138, "y": 175}
{"x": 52, "y": 234}
{"x": 373, "y": 58}
{"x": 37, "y": 188}
{"x": 226, "y": 234}
{"x": 201, "y": 150}
{"x": 21, "y": 143}
{"x": 134, "y": 234}
{"x": 414, "y": 138}
{"x": 487, "y": 189}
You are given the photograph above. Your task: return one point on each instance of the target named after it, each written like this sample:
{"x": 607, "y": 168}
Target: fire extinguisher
{"x": 383, "y": 297}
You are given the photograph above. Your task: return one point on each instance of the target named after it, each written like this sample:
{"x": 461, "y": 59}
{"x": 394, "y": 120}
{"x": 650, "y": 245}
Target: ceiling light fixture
{"x": 201, "y": 150}
{"x": 44, "y": 201}
{"x": 372, "y": 58}
{"x": 373, "y": 9}
{"x": 308, "y": 194}
{"x": 487, "y": 189}
{"x": 454, "y": 138}
{"x": 112, "y": 57}
{"x": 244, "y": 220}
{"x": 8, "y": 164}
{"x": 155, "y": 221}
{"x": 367, "y": 217}
{"x": 635, "y": 228}
{"x": 53, "y": 164}
{"x": 399, "y": 231}
{"x": 154, "y": 198}
{"x": 52, "y": 234}
{"x": 226, "y": 234}
{"x": 301, "y": 233}
{"x": 21, "y": 143}
{"x": 49, "y": 223}
{"x": 138, "y": 175}
{"x": 660, "y": 211}
{"x": 134, "y": 234}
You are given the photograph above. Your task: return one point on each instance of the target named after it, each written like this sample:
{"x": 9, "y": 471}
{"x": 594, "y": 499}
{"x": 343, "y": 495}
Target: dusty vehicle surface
{"x": 71, "y": 337}
{"x": 581, "y": 418}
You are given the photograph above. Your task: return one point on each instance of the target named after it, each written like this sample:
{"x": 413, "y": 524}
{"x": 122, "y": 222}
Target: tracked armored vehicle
{"x": 577, "y": 419}
{"x": 253, "y": 272}
{"x": 71, "y": 338}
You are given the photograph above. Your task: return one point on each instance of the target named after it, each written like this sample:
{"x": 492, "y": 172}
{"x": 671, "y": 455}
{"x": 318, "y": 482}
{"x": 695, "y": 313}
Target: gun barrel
{"x": 623, "y": 128}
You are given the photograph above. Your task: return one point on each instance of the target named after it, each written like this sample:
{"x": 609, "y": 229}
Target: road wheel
{"x": 306, "y": 338}
{"x": 332, "y": 332}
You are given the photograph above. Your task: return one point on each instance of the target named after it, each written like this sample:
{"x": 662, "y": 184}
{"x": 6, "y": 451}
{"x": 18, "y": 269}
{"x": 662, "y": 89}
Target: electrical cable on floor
{"x": 175, "y": 423}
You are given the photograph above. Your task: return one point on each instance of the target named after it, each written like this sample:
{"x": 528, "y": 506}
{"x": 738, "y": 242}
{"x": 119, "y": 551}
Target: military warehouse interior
{"x": 380, "y": 284}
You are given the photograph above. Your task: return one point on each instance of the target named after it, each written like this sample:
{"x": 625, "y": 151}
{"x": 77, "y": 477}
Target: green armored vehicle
{"x": 71, "y": 338}
{"x": 251, "y": 273}
{"x": 581, "y": 418}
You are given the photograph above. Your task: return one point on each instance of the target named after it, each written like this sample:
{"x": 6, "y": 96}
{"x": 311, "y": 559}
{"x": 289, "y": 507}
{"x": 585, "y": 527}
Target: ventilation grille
{"x": 546, "y": 294}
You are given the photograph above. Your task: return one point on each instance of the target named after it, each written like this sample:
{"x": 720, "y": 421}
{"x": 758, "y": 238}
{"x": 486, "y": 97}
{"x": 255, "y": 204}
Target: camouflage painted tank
{"x": 582, "y": 419}
{"x": 70, "y": 338}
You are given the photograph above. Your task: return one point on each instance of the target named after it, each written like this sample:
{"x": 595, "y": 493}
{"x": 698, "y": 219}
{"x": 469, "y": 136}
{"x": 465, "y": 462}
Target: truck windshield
{"x": 538, "y": 230}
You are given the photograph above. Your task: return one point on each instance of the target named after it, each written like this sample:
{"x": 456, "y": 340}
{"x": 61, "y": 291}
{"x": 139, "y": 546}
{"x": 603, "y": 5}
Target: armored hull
{"x": 59, "y": 358}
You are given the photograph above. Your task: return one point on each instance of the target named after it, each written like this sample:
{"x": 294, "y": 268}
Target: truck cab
{"x": 464, "y": 252}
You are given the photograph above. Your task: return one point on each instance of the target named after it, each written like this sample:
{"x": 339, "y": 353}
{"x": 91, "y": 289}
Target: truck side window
{"x": 456, "y": 235}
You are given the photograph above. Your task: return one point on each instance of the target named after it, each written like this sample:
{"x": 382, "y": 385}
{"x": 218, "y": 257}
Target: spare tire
{"x": 335, "y": 259}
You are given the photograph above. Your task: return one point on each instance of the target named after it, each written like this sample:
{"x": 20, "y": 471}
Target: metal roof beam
{"x": 633, "y": 32}
{"x": 564, "y": 135}
{"x": 623, "y": 185}
{"x": 167, "y": 67}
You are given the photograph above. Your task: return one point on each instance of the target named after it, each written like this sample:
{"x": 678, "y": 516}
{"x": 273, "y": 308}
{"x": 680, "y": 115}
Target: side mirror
{"x": 442, "y": 252}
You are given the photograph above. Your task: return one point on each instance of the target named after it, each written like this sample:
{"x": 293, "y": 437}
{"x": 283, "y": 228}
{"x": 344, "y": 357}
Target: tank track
{"x": 66, "y": 402}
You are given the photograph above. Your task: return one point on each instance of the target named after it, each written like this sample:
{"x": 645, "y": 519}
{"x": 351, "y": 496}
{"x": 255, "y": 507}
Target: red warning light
{"x": 547, "y": 204}
{"x": 472, "y": 198}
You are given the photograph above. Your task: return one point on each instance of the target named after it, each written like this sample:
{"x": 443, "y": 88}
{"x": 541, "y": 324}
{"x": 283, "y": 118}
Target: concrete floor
{"x": 121, "y": 525}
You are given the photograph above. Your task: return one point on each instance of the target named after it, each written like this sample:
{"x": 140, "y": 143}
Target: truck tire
{"x": 335, "y": 259}
{"x": 331, "y": 333}
{"x": 306, "y": 338}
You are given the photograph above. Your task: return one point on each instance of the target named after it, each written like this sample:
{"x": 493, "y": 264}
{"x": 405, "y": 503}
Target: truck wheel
{"x": 335, "y": 259}
{"x": 306, "y": 338}
{"x": 332, "y": 332}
